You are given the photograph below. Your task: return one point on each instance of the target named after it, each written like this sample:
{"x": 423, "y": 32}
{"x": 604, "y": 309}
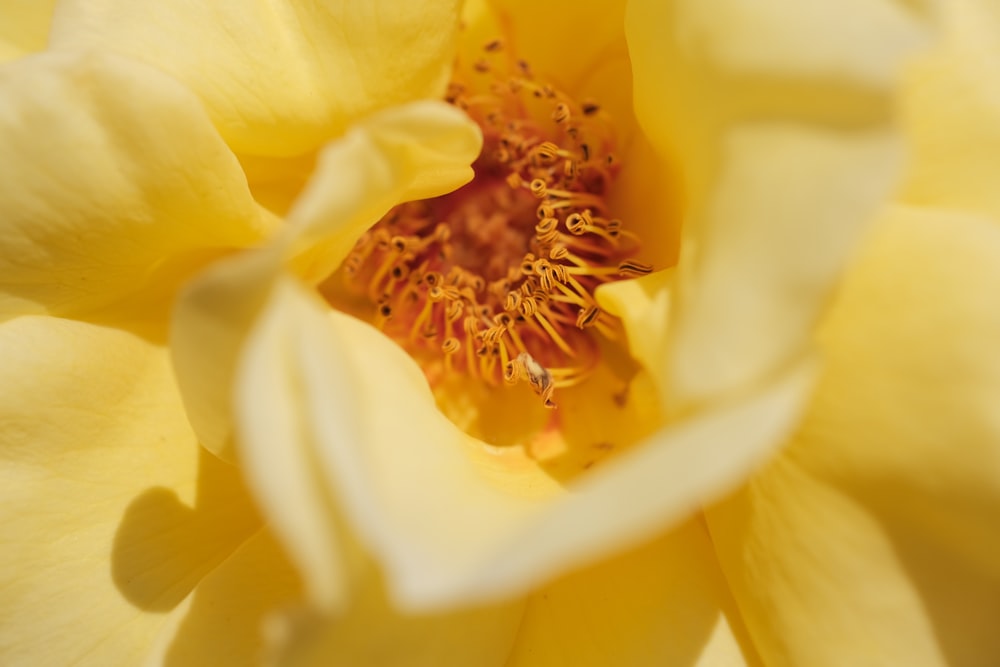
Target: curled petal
{"x": 417, "y": 150}
{"x": 780, "y": 119}
{"x": 414, "y": 151}
{"x": 363, "y": 416}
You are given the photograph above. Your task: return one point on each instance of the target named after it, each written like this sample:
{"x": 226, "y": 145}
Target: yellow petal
{"x": 24, "y": 27}
{"x": 873, "y": 539}
{"x": 416, "y": 150}
{"x": 102, "y": 194}
{"x": 111, "y": 512}
{"x": 665, "y": 604}
{"x": 643, "y": 306}
{"x": 410, "y": 152}
{"x": 360, "y": 421}
{"x": 562, "y": 41}
{"x": 911, "y": 343}
{"x": 225, "y": 619}
{"x": 373, "y": 632}
{"x": 276, "y": 445}
{"x": 210, "y": 321}
{"x": 950, "y": 113}
{"x": 278, "y": 78}
{"x": 779, "y": 117}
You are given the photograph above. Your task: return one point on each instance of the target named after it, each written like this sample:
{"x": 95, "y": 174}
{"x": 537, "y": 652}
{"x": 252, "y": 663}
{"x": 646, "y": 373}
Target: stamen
{"x": 496, "y": 280}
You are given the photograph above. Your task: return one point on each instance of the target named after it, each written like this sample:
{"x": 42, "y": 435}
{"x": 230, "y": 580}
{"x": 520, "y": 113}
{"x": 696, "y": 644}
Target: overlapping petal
{"x": 417, "y": 150}
{"x": 230, "y": 616}
{"x": 364, "y": 428}
{"x": 111, "y": 512}
{"x": 87, "y": 217}
{"x": 278, "y": 78}
{"x": 779, "y": 117}
{"x": 875, "y": 535}
{"x": 665, "y": 603}
{"x": 375, "y": 631}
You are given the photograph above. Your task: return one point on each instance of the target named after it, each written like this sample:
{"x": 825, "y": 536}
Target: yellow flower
{"x": 781, "y": 130}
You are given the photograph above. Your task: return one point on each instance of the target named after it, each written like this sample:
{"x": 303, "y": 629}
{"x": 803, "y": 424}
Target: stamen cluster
{"x": 498, "y": 277}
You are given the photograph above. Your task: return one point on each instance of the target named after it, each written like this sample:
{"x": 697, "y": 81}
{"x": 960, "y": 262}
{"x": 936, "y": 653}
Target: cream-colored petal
{"x": 278, "y": 78}
{"x": 103, "y": 194}
{"x": 413, "y": 151}
{"x": 665, "y": 604}
{"x": 410, "y": 152}
{"x": 788, "y": 207}
{"x": 210, "y": 321}
{"x": 951, "y": 113}
{"x": 24, "y": 27}
{"x": 277, "y": 446}
{"x": 225, "y": 619}
{"x": 364, "y": 418}
{"x": 779, "y": 119}
{"x": 874, "y": 538}
{"x": 112, "y": 512}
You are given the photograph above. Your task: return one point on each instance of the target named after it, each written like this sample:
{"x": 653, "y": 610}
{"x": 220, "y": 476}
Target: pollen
{"x": 496, "y": 280}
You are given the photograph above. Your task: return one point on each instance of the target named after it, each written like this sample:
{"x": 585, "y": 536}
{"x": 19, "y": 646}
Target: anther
{"x": 631, "y": 267}
{"x": 561, "y": 113}
{"x": 538, "y": 188}
{"x": 587, "y": 317}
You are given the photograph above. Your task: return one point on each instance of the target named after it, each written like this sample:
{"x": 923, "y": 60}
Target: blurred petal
{"x": 417, "y": 150}
{"x": 209, "y": 323}
{"x": 276, "y": 445}
{"x": 278, "y": 78}
{"x": 111, "y": 512}
{"x": 768, "y": 261}
{"x": 24, "y": 27}
{"x": 951, "y": 113}
{"x": 100, "y": 192}
{"x": 780, "y": 118}
{"x": 665, "y": 604}
{"x": 875, "y": 535}
{"x": 361, "y": 421}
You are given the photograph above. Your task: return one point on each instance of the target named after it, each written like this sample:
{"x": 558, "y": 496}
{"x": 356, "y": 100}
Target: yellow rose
{"x": 345, "y": 453}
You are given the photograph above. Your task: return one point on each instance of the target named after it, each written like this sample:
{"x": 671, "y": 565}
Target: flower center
{"x": 496, "y": 280}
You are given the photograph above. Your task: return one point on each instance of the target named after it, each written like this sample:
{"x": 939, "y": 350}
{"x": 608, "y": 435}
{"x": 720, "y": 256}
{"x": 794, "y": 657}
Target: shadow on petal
{"x": 962, "y": 604}
{"x": 225, "y": 620}
{"x": 163, "y": 548}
